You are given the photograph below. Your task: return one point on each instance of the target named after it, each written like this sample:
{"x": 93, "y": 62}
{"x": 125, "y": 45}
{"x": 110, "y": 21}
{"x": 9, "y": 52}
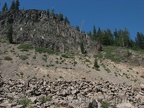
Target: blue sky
{"x": 105, "y": 14}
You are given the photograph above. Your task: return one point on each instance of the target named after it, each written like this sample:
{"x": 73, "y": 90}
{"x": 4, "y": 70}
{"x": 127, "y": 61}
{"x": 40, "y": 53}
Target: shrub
{"x": 105, "y": 104}
{"x": 7, "y": 58}
{"x": 25, "y": 102}
{"x": 25, "y": 47}
{"x": 96, "y": 64}
{"x": 44, "y": 50}
{"x": 67, "y": 55}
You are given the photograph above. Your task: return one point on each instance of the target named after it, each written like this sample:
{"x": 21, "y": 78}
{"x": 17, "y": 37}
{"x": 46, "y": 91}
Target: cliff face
{"x": 43, "y": 30}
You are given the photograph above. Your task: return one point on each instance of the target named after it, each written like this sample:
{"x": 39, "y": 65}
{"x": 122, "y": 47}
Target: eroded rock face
{"x": 43, "y": 30}
{"x": 69, "y": 94}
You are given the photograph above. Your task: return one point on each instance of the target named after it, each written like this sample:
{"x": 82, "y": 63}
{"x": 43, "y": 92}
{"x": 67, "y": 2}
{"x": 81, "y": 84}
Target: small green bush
{"x": 67, "y": 55}
{"x": 7, "y": 58}
{"x": 44, "y": 50}
{"x": 105, "y": 104}
{"x": 25, "y": 102}
{"x": 25, "y": 47}
{"x": 96, "y": 64}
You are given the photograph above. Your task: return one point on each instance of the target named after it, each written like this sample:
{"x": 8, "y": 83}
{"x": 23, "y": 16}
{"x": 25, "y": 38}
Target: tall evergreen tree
{"x": 10, "y": 33}
{"x": 77, "y": 27}
{"x": 5, "y": 8}
{"x": 125, "y": 38}
{"x": 17, "y": 4}
{"x": 94, "y": 33}
{"x": 140, "y": 40}
{"x": 66, "y": 21}
{"x": 12, "y": 7}
{"x": 60, "y": 17}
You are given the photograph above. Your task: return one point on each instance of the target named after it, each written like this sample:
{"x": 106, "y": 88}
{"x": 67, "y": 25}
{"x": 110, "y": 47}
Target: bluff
{"x": 42, "y": 29}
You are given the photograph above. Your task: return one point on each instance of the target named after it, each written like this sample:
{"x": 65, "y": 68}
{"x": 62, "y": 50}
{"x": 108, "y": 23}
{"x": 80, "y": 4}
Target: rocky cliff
{"x": 42, "y": 29}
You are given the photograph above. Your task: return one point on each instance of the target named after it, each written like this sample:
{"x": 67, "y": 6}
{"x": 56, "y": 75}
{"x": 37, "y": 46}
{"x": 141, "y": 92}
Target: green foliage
{"x": 5, "y": 8}
{"x": 106, "y": 69}
{"x": 60, "y": 17}
{"x": 25, "y": 47}
{"x": 10, "y": 33}
{"x": 67, "y": 55}
{"x": 12, "y": 7}
{"x": 96, "y": 66}
{"x": 82, "y": 48}
{"x": 66, "y": 21}
{"x": 17, "y": 4}
{"x": 140, "y": 40}
{"x": 25, "y": 102}
{"x": 110, "y": 53}
{"x": 7, "y": 58}
{"x": 44, "y": 50}
{"x": 94, "y": 36}
{"x": 105, "y": 104}
{"x": 122, "y": 38}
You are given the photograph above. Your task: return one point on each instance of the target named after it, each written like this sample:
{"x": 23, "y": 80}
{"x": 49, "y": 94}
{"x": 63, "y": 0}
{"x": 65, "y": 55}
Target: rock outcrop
{"x": 43, "y": 30}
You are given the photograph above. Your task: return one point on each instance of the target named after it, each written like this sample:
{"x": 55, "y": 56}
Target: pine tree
{"x": 140, "y": 40}
{"x": 48, "y": 12}
{"x": 10, "y": 33}
{"x": 66, "y": 20}
{"x": 60, "y": 17}
{"x": 94, "y": 33}
{"x": 12, "y": 7}
{"x": 5, "y": 8}
{"x": 77, "y": 27}
{"x": 82, "y": 48}
{"x": 17, "y": 4}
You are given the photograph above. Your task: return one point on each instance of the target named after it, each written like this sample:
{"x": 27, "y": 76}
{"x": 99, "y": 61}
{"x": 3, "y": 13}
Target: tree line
{"x": 117, "y": 38}
{"x": 14, "y": 6}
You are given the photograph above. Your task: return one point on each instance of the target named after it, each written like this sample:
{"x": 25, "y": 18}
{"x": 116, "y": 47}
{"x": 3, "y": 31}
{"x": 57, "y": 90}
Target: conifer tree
{"x": 17, "y": 4}
{"x": 10, "y": 33}
{"x": 94, "y": 33}
{"x": 12, "y": 7}
{"x": 5, "y": 8}
{"x": 60, "y": 17}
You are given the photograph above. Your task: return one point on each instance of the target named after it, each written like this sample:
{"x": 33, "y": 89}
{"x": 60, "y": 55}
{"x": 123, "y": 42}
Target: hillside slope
{"x": 42, "y": 29}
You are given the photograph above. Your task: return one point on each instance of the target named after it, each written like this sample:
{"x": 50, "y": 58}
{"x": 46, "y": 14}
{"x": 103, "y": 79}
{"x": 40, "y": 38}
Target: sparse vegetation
{"x": 105, "y": 104}
{"x": 25, "y": 102}
{"x": 7, "y": 58}
{"x": 106, "y": 68}
{"x": 25, "y": 47}
{"x": 96, "y": 66}
{"x": 67, "y": 55}
{"x": 44, "y": 50}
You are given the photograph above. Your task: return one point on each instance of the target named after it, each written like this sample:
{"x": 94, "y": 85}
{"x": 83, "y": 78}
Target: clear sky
{"x": 105, "y": 14}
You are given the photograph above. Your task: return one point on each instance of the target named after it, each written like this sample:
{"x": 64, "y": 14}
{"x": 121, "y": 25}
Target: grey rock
{"x": 93, "y": 104}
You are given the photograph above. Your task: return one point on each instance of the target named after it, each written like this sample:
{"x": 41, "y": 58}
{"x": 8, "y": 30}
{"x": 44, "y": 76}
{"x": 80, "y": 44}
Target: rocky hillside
{"x": 42, "y": 29}
{"x": 43, "y": 66}
{"x": 39, "y": 93}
